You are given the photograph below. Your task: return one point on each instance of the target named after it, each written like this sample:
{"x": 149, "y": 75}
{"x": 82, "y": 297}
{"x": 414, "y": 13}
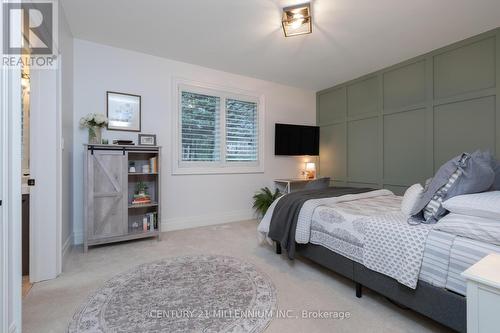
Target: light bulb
{"x": 297, "y": 23}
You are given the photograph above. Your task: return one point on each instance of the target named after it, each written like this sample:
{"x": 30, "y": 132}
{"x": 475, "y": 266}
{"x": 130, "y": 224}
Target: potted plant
{"x": 141, "y": 196}
{"x": 263, "y": 199}
{"x": 94, "y": 122}
{"x": 141, "y": 188}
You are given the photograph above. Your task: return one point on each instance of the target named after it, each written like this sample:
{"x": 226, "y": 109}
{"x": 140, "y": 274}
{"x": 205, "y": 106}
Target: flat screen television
{"x": 293, "y": 140}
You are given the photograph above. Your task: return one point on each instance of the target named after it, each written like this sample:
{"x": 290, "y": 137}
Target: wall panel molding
{"x": 395, "y": 127}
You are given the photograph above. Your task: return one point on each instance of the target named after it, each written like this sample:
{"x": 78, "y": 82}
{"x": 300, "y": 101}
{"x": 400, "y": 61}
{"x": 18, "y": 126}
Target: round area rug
{"x": 185, "y": 294}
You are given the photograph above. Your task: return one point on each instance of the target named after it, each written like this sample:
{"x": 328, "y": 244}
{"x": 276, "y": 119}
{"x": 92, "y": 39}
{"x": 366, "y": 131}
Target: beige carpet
{"x": 301, "y": 285}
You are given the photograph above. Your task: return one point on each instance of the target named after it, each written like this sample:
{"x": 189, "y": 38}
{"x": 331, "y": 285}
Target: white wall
{"x": 66, "y": 50}
{"x": 188, "y": 200}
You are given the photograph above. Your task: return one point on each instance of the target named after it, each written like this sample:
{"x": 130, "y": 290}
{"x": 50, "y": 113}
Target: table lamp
{"x": 310, "y": 170}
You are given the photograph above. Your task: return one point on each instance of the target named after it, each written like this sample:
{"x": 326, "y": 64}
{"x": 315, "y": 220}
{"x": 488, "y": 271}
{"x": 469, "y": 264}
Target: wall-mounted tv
{"x": 293, "y": 140}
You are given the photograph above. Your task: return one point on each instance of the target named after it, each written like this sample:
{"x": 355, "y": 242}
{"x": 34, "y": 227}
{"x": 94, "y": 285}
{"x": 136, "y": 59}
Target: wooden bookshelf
{"x": 113, "y": 217}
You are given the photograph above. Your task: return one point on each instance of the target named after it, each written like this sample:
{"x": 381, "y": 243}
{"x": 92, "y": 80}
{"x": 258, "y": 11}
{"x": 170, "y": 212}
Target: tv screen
{"x": 293, "y": 140}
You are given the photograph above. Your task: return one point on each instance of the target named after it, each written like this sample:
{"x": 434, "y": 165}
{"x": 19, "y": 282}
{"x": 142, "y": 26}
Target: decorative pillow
{"x": 318, "y": 184}
{"x": 433, "y": 210}
{"x": 410, "y": 199}
{"x": 485, "y": 205}
{"x": 478, "y": 228}
{"x": 464, "y": 174}
{"x": 496, "y": 183}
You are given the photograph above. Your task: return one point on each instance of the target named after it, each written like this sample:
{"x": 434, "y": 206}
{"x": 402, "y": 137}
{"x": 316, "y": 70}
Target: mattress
{"x": 445, "y": 257}
{"x": 436, "y": 260}
{"x": 465, "y": 253}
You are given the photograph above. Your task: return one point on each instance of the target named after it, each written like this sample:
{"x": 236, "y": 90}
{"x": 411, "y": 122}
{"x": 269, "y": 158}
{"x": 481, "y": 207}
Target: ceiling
{"x": 350, "y": 37}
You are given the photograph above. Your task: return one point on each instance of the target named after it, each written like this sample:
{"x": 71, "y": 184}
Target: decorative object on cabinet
{"x": 94, "y": 123}
{"x": 147, "y": 140}
{"x": 120, "y": 204}
{"x": 131, "y": 167}
{"x": 124, "y": 111}
{"x": 123, "y": 142}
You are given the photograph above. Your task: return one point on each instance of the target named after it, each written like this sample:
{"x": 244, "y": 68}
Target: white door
{"x": 45, "y": 169}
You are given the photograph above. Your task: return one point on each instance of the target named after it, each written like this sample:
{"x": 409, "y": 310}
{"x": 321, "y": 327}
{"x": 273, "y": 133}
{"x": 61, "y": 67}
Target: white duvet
{"x": 303, "y": 231}
{"x": 391, "y": 246}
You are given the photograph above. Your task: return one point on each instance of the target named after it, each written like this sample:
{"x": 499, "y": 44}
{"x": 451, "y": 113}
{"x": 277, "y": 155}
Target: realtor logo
{"x": 29, "y": 33}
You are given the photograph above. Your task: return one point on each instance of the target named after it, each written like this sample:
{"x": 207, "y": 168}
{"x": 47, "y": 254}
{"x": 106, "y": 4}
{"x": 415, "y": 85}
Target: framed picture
{"x": 123, "y": 111}
{"x": 147, "y": 140}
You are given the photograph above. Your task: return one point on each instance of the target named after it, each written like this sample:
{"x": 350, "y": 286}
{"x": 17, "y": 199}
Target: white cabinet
{"x": 483, "y": 295}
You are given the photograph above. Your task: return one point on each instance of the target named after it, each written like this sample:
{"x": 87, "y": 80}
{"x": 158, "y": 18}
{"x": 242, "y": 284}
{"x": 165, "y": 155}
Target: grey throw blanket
{"x": 286, "y": 213}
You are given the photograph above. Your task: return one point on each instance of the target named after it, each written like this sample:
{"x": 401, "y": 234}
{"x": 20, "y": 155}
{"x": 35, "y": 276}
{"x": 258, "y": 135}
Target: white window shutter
{"x": 200, "y": 129}
{"x": 242, "y": 131}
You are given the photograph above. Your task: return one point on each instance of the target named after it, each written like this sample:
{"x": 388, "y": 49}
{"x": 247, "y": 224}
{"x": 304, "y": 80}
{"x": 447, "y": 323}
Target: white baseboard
{"x": 189, "y": 222}
{"x": 205, "y": 220}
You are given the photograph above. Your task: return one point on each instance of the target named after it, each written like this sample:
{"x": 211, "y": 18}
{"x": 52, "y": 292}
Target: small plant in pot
{"x": 263, "y": 199}
{"x": 141, "y": 188}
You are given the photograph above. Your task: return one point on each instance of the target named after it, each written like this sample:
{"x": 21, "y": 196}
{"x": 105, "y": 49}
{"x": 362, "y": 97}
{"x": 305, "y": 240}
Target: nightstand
{"x": 483, "y": 295}
{"x": 292, "y": 184}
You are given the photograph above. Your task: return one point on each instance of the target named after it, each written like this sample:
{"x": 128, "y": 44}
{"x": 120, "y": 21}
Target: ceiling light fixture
{"x": 297, "y": 20}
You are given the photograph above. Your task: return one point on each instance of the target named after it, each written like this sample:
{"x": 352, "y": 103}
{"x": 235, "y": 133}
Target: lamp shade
{"x": 310, "y": 166}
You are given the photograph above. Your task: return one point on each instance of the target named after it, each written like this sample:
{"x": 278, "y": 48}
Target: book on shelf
{"x": 150, "y": 221}
{"x": 153, "y": 164}
{"x": 141, "y": 199}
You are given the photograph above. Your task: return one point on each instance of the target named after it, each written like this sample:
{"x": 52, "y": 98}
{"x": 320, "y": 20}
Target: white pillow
{"x": 473, "y": 227}
{"x": 410, "y": 200}
{"x": 485, "y": 204}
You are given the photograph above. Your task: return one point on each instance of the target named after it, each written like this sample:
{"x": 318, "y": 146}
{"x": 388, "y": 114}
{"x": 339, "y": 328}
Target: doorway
{"x": 25, "y": 189}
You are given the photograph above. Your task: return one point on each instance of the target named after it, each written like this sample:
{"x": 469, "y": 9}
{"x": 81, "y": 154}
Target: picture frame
{"x": 147, "y": 140}
{"x": 123, "y": 111}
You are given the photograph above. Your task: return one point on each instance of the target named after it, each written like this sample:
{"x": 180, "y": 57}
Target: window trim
{"x": 180, "y": 167}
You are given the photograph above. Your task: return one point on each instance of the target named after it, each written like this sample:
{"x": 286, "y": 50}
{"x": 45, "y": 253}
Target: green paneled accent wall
{"x": 395, "y": 127}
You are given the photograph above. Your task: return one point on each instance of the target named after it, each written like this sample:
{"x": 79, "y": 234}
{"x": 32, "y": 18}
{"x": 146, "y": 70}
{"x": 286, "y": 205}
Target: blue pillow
{"x": 464, "y": 174}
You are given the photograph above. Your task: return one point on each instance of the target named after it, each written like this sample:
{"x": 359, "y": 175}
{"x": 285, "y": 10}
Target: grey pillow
{"x": 318, "y": 184}
{"x": 464, "y": 174}
{"x": 496, "y": 183}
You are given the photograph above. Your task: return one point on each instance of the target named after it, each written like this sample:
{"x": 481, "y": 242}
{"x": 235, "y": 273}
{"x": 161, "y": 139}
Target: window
{"x": 200, "y": 127}
{"x": 242, "y": 131}
{"x": 217, "y": 131}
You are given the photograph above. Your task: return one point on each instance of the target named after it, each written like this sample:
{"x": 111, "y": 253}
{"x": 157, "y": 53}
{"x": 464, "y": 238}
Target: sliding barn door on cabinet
{"x": 107, "y": 194}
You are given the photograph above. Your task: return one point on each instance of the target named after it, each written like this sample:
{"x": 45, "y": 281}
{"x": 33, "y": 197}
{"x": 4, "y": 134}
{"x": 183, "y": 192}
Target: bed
{"x": 338, "y": 233}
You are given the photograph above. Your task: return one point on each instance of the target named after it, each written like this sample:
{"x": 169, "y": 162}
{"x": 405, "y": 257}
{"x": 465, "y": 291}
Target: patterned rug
{"x": 184, "y": 294}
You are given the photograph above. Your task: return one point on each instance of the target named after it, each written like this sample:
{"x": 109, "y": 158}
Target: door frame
{"x": 10, "y": 211}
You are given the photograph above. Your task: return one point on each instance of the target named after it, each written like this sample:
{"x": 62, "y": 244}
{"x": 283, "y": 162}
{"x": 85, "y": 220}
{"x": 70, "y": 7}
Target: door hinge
{"x": 31, "y": 182}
